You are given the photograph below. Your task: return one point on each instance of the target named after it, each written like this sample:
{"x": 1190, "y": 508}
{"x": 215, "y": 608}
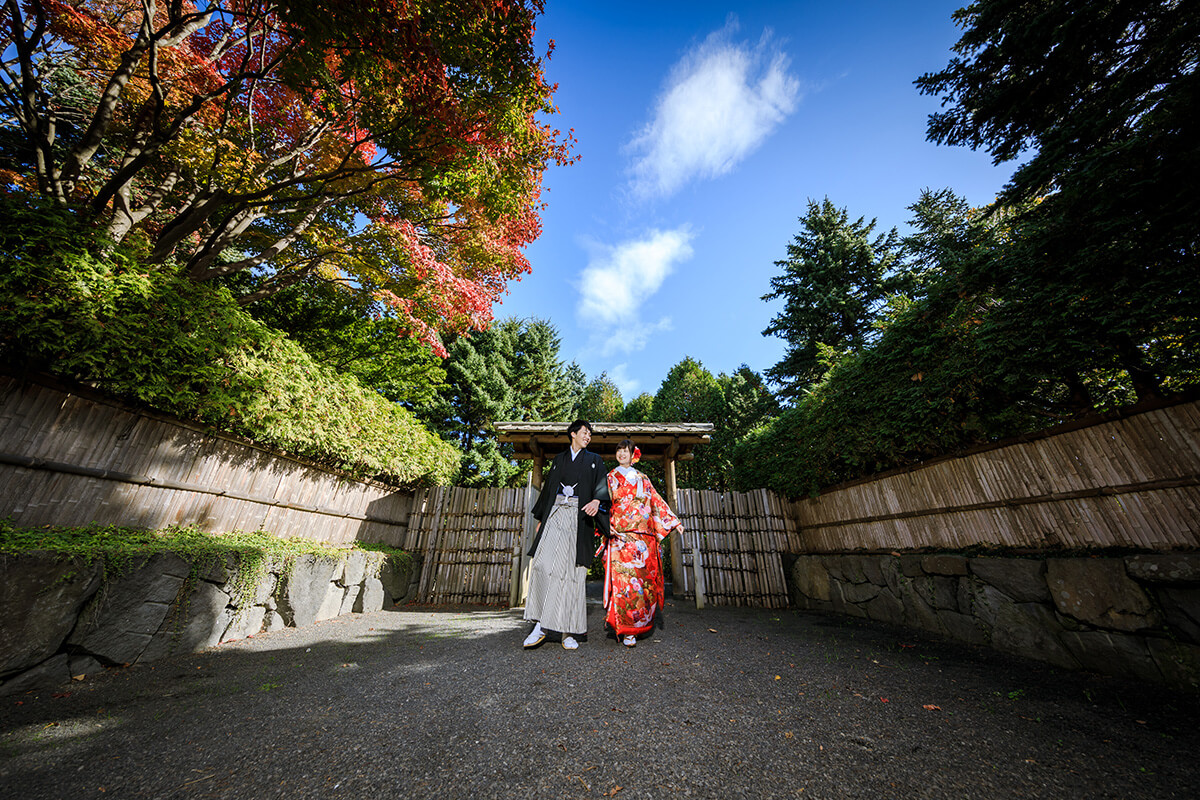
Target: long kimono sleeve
{"x": 662, "y": 520}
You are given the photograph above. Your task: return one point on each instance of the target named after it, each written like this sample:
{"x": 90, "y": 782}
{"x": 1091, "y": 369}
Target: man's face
{"x": 580, "y": 438}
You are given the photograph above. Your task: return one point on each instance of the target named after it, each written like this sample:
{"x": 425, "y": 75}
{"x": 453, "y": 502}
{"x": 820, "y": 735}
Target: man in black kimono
{"x": 568, "y": 513}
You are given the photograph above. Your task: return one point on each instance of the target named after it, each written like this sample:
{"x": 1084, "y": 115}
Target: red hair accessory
{"x": 636, "y": 457}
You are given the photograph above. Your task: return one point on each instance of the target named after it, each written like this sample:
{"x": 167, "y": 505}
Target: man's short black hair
{"x": 577, "y": 424}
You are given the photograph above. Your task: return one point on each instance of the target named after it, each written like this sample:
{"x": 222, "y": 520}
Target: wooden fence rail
{"x": 471, "y": 540}
{"x": 733, "y": 546}
{"x": 70, "y": 458}
{"x": 1132, "y": 482}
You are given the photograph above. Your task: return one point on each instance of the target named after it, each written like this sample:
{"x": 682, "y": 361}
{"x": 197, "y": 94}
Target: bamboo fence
{"x": 471, "y": 540}
{"x": 1132, "y": 482}
{"x": 733, "y": 545}
{"x": 71, "y": 459}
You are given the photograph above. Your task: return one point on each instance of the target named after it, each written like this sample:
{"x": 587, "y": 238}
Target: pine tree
{"x": 834, "y": 282}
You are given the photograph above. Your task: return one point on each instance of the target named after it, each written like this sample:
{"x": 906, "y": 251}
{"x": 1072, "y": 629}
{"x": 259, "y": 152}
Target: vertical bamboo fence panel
{"x": 472, "y": 541}
{"x": 733, "y": 545}
{"x": 1132, "y": 482}
{"x": 70, "y": 458}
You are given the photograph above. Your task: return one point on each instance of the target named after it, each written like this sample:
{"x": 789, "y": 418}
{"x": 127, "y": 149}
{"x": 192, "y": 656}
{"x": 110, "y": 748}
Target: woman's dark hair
{"x": 577, "y": 424}
{"x": 626, "y": 444}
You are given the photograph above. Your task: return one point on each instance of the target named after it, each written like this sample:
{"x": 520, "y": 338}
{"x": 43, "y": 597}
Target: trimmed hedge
{"x": 146, "y": 333}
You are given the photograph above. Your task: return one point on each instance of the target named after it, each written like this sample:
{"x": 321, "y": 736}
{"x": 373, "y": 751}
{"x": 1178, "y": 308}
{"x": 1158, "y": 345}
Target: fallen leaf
{"x": 61, "y": 694}
{"x": 884, "y": 700}
{"x": 713, "y": 630}
{"x": 78, "y": 677}
{"x": 931, "y": 707}
{"x": 778, "y": 678}
{"x": 788, "y": 735}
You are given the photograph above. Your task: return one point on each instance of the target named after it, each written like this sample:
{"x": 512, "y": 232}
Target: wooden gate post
{"x": 671, "y": 498}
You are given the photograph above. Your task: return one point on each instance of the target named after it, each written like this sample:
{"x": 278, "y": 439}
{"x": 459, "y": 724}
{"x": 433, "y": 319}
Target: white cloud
{"x": 620, "y": 376}
{"x": 632, "y": 338}
{"x": 720, "y": 103}
{"x": 617, "y": 280}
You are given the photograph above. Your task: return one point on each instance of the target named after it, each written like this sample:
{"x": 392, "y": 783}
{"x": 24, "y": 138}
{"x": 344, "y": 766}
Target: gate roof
{"x": 657, "y": 440}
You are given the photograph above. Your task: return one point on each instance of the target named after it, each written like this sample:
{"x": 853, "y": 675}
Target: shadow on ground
{"x": 443, "y": 702}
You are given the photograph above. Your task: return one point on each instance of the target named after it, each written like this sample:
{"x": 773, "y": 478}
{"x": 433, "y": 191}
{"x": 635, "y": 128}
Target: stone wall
{"x": 61, "y": 617}
{"x": 1135, "y": 616}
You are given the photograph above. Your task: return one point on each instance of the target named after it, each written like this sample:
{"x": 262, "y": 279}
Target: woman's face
{"x": 624, "y": 457}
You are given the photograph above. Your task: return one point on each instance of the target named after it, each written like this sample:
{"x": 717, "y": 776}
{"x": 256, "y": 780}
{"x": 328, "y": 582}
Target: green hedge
{"x": 146, "y": 333}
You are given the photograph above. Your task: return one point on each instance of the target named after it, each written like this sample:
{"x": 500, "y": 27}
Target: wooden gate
{"x": 473, "y": 543}
{"x": 733, "y": 546}
{"x": 471, "y": 540}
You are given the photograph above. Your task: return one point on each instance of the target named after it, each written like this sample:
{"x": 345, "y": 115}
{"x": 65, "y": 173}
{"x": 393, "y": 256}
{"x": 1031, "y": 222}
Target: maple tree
{"x": 395, "y": 146}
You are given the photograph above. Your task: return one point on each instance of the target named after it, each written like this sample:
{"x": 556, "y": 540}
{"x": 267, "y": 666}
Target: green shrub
{"x": 146, "y": 333}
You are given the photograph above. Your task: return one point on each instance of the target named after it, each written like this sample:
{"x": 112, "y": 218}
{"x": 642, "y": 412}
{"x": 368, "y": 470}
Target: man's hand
{"x": 591, "y": 508}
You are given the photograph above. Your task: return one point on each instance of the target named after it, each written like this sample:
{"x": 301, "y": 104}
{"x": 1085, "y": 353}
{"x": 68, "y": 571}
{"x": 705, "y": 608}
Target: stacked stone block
{"x": 60, "y": 616}
{"x": 1135, "y": 616}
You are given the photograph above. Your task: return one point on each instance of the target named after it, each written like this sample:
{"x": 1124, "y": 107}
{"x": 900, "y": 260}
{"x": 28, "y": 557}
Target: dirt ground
{"x": 421, "y": 702}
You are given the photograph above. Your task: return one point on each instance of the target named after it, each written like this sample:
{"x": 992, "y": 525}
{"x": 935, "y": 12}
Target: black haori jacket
{"x": 590, "y": 478}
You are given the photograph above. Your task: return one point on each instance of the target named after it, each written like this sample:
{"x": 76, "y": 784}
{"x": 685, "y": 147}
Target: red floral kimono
{"x": 633, "y": 579}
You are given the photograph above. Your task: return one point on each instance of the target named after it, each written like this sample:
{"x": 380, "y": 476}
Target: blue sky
{"x": 703, "y": 129}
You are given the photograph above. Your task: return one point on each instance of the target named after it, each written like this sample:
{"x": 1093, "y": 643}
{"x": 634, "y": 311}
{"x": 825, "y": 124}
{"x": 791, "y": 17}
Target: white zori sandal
{"x": 629, "y": 641}
{"x": 569, "y": 643}
{"x": 535, "y": 637}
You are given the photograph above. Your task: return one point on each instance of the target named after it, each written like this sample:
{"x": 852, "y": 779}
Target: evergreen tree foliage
{"x": 539, "y": 381}
{"x": 639, "y": 409}
{"x": 574, "y": 383}
{"x": 690, "y": 393}
{"x": 1077, "y": 291}
{"x": 834, "y": 280}
{"x": 479, "y": 392}
{"x": 747, "y": 404}
{"x": 511, "y": 371}
{"x": 601, "y": 401}
{"x": 1100, "y": 101}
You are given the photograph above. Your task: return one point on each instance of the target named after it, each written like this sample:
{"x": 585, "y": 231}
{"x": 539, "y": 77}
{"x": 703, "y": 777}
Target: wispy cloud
{"x": 720, "y": 103}
{"x": 628, "y": 385}
{"x": 618, "y": 279}
{"x": 633, "y": 338}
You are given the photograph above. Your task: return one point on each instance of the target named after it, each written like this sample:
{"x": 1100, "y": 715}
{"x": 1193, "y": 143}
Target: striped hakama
{"x": 557, "y": 595}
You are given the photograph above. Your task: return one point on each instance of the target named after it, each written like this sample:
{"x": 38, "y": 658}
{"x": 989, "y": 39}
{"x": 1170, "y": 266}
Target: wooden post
{"x": 535, "y": 477}
{"x": 698, "y": 569}
{"x": 676, "y": 545}
{"x": 520, "y": 562}
{"x": 427, "y": 566}
{"x": 539, "y": 461}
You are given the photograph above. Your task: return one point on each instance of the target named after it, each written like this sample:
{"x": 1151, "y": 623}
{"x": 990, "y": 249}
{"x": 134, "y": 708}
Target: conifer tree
{"x": 834, "y": 281}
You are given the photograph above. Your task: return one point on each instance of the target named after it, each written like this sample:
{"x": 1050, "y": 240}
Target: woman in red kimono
{"x": 639, "y": 521}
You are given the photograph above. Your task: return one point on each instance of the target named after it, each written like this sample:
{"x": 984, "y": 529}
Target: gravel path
{"x": 434, "y": 702}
